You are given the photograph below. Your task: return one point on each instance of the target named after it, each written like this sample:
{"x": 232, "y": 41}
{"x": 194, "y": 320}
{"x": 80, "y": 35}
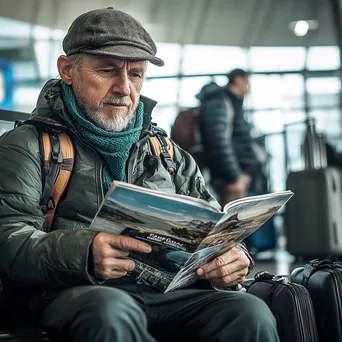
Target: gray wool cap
{"x": 110, "y": 32}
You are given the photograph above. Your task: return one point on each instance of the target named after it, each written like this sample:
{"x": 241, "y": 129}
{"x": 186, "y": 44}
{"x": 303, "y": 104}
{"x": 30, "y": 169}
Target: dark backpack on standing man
{"x": 185, "y": 132}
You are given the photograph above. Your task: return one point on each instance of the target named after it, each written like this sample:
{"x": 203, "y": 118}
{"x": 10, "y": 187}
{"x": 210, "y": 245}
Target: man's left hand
{"x": 230, "y": 268}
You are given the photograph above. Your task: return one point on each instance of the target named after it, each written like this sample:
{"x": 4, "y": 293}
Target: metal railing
{"x": 12, "y": 116}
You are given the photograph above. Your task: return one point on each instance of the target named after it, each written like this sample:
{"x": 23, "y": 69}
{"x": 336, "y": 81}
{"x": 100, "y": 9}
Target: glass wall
{"x": 287, "y": 85}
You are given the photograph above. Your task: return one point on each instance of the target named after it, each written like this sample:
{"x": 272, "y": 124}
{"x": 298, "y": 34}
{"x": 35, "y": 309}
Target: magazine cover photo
{"x": 149, "y": 215}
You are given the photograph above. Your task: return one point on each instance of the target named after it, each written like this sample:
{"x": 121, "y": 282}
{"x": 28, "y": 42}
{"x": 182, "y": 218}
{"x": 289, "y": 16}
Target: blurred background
{"x": 291, "y": 48}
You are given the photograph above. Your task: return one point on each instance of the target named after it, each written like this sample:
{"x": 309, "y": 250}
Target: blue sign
{"x": 6, "y": 85}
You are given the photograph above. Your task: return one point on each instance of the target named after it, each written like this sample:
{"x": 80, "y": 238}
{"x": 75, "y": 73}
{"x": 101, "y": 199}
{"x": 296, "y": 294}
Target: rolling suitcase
{"x": 313, "y": 217}
{"x": 291, "y": 305}
{"x": 323, "y": 279}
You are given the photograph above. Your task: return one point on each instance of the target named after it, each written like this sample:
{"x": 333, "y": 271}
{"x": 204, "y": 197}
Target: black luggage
{"x": 291, "y": 305}
{"x": 323, "y": 279}
{"x": 313, "y": 217}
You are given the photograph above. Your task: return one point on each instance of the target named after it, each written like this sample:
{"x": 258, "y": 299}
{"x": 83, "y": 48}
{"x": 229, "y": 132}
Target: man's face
{"x": 108, "y": 90}
{"x": 242, "y": 83}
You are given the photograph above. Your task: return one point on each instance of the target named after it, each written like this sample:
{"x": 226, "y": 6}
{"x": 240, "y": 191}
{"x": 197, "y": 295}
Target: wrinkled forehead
{"x": 113, "y": 60}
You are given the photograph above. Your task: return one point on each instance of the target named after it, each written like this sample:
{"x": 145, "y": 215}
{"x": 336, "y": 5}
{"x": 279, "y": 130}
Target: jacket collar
{"x": 50, "y": 104}
{"x": 234, "y": 97}
{"x": 149, "y": 105}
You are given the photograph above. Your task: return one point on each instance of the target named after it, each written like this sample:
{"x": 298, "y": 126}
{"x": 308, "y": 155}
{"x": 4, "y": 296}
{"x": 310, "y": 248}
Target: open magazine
{"x": 184, "y": 232}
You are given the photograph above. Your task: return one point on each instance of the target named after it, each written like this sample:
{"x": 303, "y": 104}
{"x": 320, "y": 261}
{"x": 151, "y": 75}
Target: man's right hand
{"x": 109, "y": 252}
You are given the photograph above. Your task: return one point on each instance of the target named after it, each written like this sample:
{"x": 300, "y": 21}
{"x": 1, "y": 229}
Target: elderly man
{"x": 75, "y": 278}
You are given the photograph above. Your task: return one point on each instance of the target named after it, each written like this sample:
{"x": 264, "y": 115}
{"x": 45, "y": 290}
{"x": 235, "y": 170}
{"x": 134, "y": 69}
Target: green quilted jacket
{"x": 59, "y": 259}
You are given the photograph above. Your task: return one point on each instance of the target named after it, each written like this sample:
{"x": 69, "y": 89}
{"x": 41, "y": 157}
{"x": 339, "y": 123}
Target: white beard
{"x": 118, "y": 121}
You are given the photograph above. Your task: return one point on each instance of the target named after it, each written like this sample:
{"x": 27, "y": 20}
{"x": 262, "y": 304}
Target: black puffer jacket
{"x": 225, "y": 134}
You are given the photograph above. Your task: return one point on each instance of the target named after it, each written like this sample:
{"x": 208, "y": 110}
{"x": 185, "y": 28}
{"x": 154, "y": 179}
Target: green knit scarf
{"x": 114, "y": 147}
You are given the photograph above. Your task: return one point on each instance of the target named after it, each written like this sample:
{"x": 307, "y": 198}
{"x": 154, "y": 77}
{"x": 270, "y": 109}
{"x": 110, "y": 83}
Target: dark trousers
{"x": 133, "y": 312}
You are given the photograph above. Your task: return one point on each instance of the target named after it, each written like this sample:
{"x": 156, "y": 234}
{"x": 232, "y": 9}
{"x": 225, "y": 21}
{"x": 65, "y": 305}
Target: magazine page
{"x": 181, "y": 198}
{"x": 243, "y": 218}
{"x": 256, "y": 198}
{"x": 173, "y": 228}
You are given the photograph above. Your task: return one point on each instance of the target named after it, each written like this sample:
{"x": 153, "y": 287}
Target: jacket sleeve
{"x": 217, "y": 144}
{"x": 192, "y": 184}
{"x": 29, "y": 256}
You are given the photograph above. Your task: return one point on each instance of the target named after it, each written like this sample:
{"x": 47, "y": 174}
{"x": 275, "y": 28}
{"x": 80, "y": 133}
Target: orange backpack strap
{"x": 58, "y": 153}
{"x": 163, "y": 148}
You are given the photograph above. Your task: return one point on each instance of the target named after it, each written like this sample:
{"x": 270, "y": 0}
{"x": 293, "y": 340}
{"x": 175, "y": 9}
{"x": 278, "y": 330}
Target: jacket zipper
{"x": 99, "y": 178}
{"x": 129, "y": 169}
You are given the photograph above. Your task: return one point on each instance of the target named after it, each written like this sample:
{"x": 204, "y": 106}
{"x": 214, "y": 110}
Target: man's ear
{"x": 65, "y": 69}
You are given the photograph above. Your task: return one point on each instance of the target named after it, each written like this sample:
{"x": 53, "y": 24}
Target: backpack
{"x": 185, "y": 132}
{"x": 58, "y": 156}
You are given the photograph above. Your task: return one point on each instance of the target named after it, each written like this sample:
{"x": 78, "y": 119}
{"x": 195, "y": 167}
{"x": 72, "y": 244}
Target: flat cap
{"x": 110, "y": 32}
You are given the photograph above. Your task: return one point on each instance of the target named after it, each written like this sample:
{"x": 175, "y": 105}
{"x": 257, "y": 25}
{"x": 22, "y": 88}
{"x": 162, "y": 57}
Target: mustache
{"x": 118, "y": 101}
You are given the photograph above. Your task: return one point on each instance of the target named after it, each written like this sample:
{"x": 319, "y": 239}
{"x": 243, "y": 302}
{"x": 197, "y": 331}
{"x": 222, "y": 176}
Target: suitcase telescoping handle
{"x": 314, "y": 148}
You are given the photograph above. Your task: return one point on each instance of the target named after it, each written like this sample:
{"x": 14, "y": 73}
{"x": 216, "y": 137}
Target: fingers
{"x": 113, "y": 253}
{"x": 232, "y": 279}
{"x": 109, "y": 251}
{"x": 224, "y": 259}
{"x": 111, "y": 268}
{"x": 228, "y": 269}
{"x": 126, "y": 243}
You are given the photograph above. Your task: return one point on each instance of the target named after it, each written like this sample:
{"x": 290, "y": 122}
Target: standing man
{"x": 226, "y": 139}
{"x": 76, "y": 279}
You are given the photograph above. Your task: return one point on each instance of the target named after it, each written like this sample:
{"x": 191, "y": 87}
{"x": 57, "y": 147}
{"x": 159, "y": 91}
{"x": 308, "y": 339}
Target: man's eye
{"x": 107, "y": 70}
{"x": 135, "y": 75}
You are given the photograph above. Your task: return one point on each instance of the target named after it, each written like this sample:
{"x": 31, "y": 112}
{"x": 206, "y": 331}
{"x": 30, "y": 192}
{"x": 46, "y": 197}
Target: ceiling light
{"x": 301, "y": 28}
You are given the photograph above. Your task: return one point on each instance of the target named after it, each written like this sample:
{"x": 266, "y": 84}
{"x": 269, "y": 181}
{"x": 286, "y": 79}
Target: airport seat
{"x": 24, "y": 335}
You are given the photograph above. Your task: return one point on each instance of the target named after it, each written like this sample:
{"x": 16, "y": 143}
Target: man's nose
{"x": 121, "y": 85}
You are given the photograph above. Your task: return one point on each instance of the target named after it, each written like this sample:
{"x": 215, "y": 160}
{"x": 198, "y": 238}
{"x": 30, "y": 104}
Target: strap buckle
{"x": 166, "y": 157}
